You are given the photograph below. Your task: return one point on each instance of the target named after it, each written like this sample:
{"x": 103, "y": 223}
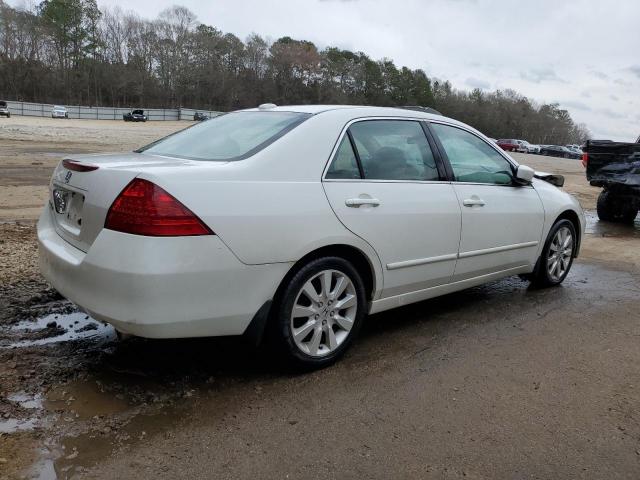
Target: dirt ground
{"x": 499, "y": 381}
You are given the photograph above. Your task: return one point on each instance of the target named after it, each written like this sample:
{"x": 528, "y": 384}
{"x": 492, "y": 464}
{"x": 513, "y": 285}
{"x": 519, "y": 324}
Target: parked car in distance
{"x": 575, "y": 149}
{"x": 199, "y": 117}
{"x": 558, "y": 151}
{"x": 510, "y": 145}
{"x": 135, "y": 116}
{"x": 4, "y": 109}
{"x": 293, "y": 223}
{"x": 614, "y": 167}
{"x": 529, "y": 147}
{"x": 574, "y": 153}
{"x": 58, "y": 111}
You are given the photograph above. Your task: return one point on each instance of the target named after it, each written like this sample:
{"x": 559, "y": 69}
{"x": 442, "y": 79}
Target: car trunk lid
{"x": 84, "y": 187}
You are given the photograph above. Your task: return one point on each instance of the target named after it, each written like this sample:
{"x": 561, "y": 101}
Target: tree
{"x": 71, "y": 51}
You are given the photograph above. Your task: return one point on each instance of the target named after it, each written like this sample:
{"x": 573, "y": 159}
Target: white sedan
{"x": 529, "y": 148}
{"x": 58, "y": 111}
{"x": 294, "y": 223}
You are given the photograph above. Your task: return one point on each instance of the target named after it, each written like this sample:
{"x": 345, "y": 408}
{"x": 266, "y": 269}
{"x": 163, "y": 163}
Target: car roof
{"x": 345, "y": 113}
{"x": 360, "y": 110}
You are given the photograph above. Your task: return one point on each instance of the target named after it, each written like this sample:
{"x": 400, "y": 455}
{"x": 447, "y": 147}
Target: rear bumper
{"x": 158, "y": 287}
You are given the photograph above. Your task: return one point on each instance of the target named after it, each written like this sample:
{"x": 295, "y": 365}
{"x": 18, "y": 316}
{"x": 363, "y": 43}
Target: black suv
{"x": 135, "y": 116}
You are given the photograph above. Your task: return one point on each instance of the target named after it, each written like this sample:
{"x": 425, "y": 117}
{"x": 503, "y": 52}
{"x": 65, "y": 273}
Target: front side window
{"x": 394, "y": 150}
{"x": 232, "y": 136}
{"x": 472, "y": 159}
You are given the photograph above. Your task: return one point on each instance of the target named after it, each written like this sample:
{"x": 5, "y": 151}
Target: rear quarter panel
{"x": 270, "y": 208}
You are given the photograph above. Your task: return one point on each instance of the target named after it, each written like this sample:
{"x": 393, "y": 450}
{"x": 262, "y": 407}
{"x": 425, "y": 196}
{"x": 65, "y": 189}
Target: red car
{"x": 509, "y": 145}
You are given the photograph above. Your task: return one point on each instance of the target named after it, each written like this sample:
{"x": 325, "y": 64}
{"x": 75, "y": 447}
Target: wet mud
{"x": 100, "y": 398}
{"x": 608, "y": 230}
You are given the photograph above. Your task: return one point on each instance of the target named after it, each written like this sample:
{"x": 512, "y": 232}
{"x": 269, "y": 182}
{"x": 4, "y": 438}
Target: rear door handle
{"x": 358, "y": 202}
{"x": 473, "y": 202}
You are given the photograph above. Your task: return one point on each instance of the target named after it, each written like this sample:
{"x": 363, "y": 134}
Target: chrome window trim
{"x": 375, "y": 180}
{"x": 491, "y": 184}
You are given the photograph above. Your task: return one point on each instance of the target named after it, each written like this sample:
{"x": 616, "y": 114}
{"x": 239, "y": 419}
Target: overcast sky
{"x": 584, "y": 54}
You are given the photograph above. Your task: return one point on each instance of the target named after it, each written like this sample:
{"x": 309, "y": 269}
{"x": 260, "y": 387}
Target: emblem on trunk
{"x": 60, "y": 200}
{"x": 67, "y": 177}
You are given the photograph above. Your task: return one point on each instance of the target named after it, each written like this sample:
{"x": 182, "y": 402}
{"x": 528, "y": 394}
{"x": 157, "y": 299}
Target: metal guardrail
{"x": 105, "y": 113}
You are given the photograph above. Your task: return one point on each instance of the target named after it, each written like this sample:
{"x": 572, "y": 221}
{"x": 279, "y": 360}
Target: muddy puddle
{"x": 90, "y": 419}
{"x": 607, "y": 229}
{"x": 57, "y": 328}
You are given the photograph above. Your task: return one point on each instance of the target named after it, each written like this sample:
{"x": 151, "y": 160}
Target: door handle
{"x": 358, "y": 202}
{"x": 473, "y": 202}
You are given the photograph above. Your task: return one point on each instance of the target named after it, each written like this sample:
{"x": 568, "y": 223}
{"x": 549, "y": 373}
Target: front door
{"x": 385, "y": 186}
{"x": 502, "y": 222}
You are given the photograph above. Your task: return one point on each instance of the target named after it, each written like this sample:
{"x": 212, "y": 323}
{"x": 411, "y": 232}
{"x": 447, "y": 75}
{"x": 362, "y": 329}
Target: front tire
{"x": 557, "y": 255}
{"x": 319, "y": 312}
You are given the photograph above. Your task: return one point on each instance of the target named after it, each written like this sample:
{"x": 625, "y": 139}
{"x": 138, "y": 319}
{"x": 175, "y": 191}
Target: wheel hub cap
{"x": 323, "y": 313}
{"x": 560, "y": 252}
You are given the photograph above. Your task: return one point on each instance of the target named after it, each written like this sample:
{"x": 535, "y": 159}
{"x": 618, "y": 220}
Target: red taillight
{"x": 585, "y": 159}
{"x": 144, "y": 208}
{"x": 78, "y": 167}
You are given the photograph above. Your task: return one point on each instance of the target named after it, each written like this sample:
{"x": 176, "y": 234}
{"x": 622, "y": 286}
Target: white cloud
{"x": 477, "y": 83}
{"x": 541, "y": 74}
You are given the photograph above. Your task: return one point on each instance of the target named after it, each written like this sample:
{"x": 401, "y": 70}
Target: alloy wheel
{"x": 560, "y": 251}
{"x": 323, "y": 313}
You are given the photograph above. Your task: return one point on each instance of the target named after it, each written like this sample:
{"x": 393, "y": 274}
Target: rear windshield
{"x": 3, "y": 103}
{"x": 232, "y": 136}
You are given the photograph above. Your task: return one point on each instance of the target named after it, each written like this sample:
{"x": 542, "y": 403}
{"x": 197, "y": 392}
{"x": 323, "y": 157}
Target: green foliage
{"x": 68, "y": 51}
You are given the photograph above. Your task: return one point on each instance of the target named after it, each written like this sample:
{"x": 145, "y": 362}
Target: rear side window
{"x": 394, "y": 150}
{"x": 344, "y": 165}
{"x": 233, "y": 136}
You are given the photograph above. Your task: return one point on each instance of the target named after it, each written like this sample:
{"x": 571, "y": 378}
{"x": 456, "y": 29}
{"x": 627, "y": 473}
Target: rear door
{"x": 502, "y": 222}
{"x": 385, "y": 185}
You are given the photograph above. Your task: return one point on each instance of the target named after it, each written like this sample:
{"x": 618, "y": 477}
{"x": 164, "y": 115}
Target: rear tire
{"x": 557, "y": 255}
{"x": 319, "y": 313}
{"x": 612, "y": 209}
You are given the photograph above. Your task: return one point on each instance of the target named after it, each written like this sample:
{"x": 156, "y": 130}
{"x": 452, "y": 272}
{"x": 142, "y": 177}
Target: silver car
{"x": 59, "y": 111}
{"x": 4, "y": 109}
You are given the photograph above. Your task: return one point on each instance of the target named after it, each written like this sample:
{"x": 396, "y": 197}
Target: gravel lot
{"x": 499, "y": 381}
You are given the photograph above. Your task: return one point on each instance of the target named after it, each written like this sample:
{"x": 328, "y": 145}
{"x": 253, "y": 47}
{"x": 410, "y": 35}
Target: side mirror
{"x": 524, "y": 174}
